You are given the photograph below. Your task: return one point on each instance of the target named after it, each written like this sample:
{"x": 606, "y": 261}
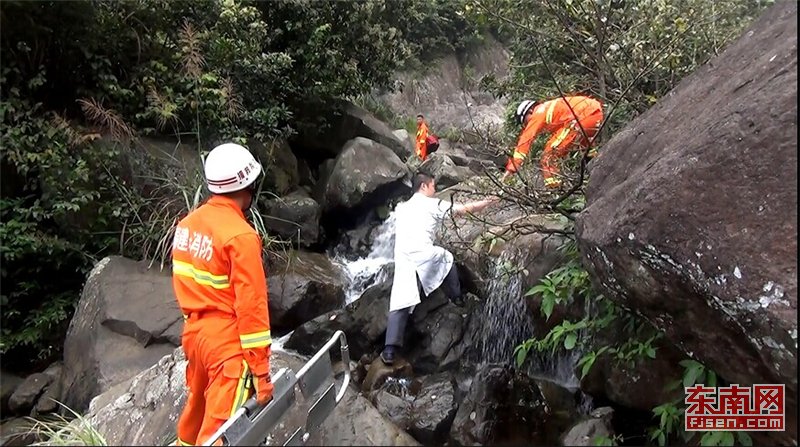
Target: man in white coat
{"x": 420, "y": 266}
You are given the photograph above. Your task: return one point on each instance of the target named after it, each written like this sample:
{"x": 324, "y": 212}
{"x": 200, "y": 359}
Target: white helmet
{"x": 230, "y": 167}
{"x": 523, "y": 108}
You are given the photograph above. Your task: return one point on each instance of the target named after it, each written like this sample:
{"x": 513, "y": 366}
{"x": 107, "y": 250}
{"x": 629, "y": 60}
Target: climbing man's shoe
{"x": 387, "y": 356}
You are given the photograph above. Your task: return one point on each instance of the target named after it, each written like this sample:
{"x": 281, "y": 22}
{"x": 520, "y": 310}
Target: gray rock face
{"x": 587, "y": 431}
{"x": 444, "y": 169}
{"x": 693, "y": 222}
{"x": 144, "y": 410}
{"x": 443, "y": 96}
{"x": 406, "y": 139}
{"x": 127, "y": 319}
{"x": 308, "y": 286}
{"x": 345, "y": 121}
{"x": 294, "y": 217}
{"x": 365, "y": 173}
{"x": 27, "y": 393}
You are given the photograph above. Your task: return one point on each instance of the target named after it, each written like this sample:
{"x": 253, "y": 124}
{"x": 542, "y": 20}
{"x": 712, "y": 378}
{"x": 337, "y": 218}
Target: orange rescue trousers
{"x": 217, "y": 375}
{"x": 563, "y": 141}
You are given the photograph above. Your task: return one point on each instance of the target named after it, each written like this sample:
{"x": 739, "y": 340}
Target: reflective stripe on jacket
{"x": 217, "y": 269}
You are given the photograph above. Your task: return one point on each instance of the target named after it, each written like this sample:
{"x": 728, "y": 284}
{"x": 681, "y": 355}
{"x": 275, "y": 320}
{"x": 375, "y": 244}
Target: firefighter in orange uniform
{"x": 559, "y": 117}
{"x": 221, "y": 288}
{"x": 421, "y": 143}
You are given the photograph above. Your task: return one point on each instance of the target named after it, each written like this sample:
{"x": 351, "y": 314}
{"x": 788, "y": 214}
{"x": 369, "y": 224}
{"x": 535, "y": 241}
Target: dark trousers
{"x": 396, "y": 323}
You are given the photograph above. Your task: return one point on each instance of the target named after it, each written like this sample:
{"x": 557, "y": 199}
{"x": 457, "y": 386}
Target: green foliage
{"x": 57, "y": 430}
{"x": 670, "y": 415}
{"x": 432, "y": 28}
{"x": 602, "y": 440}
{"x": 201, "y": 71}
{"x": 568, "y": 284}
{"x": 628, "y": 53}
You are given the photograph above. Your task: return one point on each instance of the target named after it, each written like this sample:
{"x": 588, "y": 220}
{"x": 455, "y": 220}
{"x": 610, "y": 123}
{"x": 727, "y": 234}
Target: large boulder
{"x": 446, "y": 172}
{"x": 281, "y": 172}
{"x": 691, "y": 214}
{"x": 642, "y": 384}
{"x": 342, "y": 121}
{"x": 501, "y": 407}
{"x": 363, "y": 322}
{"x": 434, "y": 409}
{"x": 365, "y": 174}
{"x": 27, "y": 393}
{"x": 126, "y": 320}
{"x": 144, "y": 410}
{"x": 591, "y": 430}
{"x": 294, "y": 217}
{"x": 305, "y": 286}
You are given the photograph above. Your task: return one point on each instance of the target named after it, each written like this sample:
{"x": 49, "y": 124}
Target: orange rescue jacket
{"x": 550, "y": 116}
{"x": 421, "y": 143}
{"x": 217, "y": 268}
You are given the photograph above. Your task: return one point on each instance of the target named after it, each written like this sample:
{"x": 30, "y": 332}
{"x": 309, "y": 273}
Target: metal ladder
{"x": 251, "y": 424}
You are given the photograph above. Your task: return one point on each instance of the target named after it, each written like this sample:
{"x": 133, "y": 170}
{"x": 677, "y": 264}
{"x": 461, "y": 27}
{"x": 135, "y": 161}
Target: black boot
{"x": 387, "y": 356}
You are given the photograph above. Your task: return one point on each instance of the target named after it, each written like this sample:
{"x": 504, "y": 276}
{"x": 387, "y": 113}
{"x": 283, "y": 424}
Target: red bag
{"x": 432, "y": 143}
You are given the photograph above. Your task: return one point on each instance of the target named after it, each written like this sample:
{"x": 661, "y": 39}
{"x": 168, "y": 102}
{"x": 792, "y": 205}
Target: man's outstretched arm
{"x": 471, "y": 207}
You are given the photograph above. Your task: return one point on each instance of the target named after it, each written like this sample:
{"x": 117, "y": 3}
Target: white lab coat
{"x": 414, "y": 253}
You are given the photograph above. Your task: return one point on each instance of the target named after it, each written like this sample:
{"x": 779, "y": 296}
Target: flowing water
{"x": 505, "y": 321}
{"x": 365, "y": 272}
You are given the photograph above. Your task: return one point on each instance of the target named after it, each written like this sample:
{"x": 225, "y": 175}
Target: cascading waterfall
{"x": 505, "y": 322}
{"x": 365, "y": 272}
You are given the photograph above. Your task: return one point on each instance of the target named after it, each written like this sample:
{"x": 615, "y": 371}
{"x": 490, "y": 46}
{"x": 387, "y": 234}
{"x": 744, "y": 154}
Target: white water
{"x": 506, "y": 322}
{"x": 364, "y": 272}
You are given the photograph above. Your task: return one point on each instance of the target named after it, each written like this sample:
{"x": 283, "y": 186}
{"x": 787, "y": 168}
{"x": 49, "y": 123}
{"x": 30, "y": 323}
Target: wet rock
{"x": 500, "y": 230}
{"x": 501, "y": 407}
{"x": 294, "y": 217}
{"x": 378, "y": 372}
{"x": 366, "y": 174}
{"x": 435, "y": 334}
{"x": 304, "y": 287}
{"x": 8, "y": 384}
{"x": 126, "y": 320}
{"x": 28, "y": 392}
{"x": 446, "y": 172}
{"x": 699, "y": 234}
{"x": 587, "y": 432}
{"x": 563, "y": 402}
{"x": 144, "y": 410}
{"x": 434, "y": 409}
{"x": 397, "y": 409}
{"x": 363, "y": 322}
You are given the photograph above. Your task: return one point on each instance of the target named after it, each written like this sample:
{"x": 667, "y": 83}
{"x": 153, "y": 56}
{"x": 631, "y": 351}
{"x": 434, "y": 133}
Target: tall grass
{"x": 58, "y": 430}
